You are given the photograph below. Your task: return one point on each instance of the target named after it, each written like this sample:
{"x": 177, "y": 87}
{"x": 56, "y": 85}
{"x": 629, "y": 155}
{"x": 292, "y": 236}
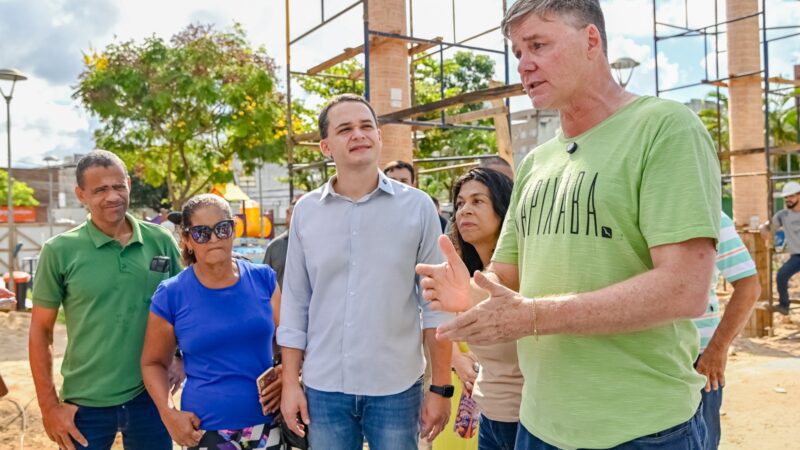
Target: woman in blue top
{"x": 219, "y": 311}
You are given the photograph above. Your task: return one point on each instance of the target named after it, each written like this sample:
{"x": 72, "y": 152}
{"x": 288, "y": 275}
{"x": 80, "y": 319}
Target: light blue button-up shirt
{"x": 350, "y": 295}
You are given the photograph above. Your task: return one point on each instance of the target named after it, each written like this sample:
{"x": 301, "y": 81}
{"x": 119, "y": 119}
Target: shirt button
{"x": 354, "y": 263}
{"x": 354, "y": 233}
{"x": 352, "y": 293}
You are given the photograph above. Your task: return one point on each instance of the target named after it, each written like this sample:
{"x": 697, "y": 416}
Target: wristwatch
{"x": 445, "y": 391}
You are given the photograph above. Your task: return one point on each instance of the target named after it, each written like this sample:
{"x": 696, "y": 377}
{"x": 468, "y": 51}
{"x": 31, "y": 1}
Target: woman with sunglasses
{"x": 222, "y": 312}
{"x": 481, "y": 198}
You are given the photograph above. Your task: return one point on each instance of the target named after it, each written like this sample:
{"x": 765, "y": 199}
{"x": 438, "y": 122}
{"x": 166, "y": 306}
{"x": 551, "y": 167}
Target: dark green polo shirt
{"x": 105, "y": 290}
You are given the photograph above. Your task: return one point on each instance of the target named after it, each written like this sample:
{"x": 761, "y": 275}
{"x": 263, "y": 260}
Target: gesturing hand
{"x": 504, "y": 316}
{"x": 446, "y": 285}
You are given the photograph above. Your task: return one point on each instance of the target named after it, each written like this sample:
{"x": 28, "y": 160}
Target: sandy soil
{"x": 759, "y": 411}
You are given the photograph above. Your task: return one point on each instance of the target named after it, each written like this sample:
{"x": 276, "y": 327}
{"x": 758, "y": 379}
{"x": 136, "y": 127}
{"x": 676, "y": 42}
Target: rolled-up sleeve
{"x": 296, "y": 295}
{"x": 429, "y": 253}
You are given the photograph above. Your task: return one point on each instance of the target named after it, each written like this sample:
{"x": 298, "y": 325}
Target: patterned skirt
{"x": 258, "y": 437}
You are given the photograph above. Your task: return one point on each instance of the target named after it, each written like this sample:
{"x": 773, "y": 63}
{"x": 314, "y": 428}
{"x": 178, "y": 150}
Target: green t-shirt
{"x": 105, "y": 290}
{"x": 646, "y": 176}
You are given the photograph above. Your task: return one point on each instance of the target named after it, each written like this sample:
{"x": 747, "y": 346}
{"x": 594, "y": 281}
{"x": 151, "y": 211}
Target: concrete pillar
{"x": 389, "y": 78}
{"x": 746, "y": 127}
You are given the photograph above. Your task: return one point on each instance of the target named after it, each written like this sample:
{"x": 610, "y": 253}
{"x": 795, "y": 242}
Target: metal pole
{"x": 655, "y": 45}
{"x": 367, "y": 82}
{"x": 11, "y": 265}
{"x": 260, "y": 203}
{"x": 50, "y": 199}
{"x": 289, "y": 130}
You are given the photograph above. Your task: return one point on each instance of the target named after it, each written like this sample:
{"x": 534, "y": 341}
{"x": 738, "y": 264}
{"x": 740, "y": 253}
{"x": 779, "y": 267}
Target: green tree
{"x": 464, "y": 72}
{"x": 782, "y": 124}
{"x": 145, "y": 195}
{"x": 178, "y": 112}
{"x": 717, "y": 124}
{"x": 21, "y": 193}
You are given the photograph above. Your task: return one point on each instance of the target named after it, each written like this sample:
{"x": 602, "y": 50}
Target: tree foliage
{"x": 21, "y": 193}
{"x": 782, "y": 124}
{"x": 178, "y": 112}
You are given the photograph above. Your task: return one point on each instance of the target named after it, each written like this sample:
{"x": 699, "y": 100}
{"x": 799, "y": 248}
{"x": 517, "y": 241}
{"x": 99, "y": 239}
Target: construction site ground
{"x": 759, "y": 411}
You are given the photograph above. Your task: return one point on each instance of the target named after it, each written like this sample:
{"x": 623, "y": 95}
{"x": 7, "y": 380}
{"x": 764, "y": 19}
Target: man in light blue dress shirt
{"x": 351, "y": 312}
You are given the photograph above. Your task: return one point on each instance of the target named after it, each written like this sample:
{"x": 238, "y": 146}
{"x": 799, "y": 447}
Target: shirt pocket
{"x": 159, "y": 270}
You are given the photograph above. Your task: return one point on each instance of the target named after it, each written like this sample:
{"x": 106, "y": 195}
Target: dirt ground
{"x": 761, "y": 400}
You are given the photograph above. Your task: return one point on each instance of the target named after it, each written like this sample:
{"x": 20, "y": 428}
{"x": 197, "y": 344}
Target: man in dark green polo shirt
{"x": 102, "y": 273}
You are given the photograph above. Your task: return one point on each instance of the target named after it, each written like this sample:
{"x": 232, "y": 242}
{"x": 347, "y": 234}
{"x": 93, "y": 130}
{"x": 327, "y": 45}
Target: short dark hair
{"x": 97, "y": 158}
{"x": 582, "y": 13}
{"x": 189, "y": 208}
{"x": 499, "y": 186}
{"x": 395, "y": 165}
{"x": 323, "y": 122}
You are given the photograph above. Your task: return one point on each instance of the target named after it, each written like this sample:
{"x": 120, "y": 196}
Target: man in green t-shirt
{"x": 102, "y": 273}
{"x": 605, "y": 254}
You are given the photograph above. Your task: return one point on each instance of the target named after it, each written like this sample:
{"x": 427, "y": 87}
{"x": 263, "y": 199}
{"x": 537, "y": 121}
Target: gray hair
{"x": 579, "y": 13}
{"x": 97, "y": 158}
{"x": 323, "y": 123}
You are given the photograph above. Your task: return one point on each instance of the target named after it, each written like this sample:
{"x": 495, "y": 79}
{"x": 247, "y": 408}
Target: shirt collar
{"x": 384, "y": 184}
{"x": 100, "y": 239}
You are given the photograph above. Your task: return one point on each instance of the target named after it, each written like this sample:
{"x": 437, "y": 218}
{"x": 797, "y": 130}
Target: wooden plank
{"x": 356, "y": 74}
{"x": 341, "y": 57}
{"x": 716, "y": 83}
{"x": 760, "y": 319}
{"x": 421, "y": 47}
{"x": 502, "y": 129}
{"x": 469, "y": 97}
{"x": 477, "y": 115}
{"x": 782, "y": 150}
{"x": 455, "y": 166}
{"x": 781, "y": 80}
{"x": 310, "y": 136}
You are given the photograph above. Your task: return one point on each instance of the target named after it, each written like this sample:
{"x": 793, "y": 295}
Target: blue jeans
{"x": 496, "y": 435}
{"x": 137, "y": 420}
{"x": 342, "y": 421}
{"x": 712, "y": 402}
{"x": 785, "y": 273}
{"x": 690, "y": 435}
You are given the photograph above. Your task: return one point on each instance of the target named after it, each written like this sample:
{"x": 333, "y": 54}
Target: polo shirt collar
{"x": 384, "y": 184}
{"x": 100, "y": 239}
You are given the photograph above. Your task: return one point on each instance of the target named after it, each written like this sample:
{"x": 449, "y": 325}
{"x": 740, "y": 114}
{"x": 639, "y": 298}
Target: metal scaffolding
{"x": 713, "y": 32}
{"x": 419, "y": 48}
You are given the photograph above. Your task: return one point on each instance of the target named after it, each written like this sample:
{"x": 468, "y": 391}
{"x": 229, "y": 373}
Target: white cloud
{"x": 45, "y": 38}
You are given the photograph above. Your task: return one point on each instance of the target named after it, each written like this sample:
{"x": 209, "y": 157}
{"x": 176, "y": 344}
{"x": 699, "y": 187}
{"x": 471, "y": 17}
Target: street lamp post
{"x": 13, "y": 76}
{"x": 624, "y": 64}
{"x": 50, "y": 160}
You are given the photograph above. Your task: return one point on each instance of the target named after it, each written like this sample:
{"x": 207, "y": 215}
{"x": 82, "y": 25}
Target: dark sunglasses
{"x": 202, "y": 233}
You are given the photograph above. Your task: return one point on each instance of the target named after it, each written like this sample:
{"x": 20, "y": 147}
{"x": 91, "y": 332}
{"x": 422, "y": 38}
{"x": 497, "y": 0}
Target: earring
{"x": 191, "y": 252}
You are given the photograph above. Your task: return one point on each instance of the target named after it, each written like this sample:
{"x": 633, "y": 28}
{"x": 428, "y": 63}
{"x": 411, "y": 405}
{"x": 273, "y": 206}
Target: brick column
{"x": 746, "y": 128}
{"x": 389, "y": 79}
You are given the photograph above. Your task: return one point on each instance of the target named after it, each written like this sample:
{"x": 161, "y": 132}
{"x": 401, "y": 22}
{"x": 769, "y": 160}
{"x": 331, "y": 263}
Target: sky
{"x": 46, "y": 39}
